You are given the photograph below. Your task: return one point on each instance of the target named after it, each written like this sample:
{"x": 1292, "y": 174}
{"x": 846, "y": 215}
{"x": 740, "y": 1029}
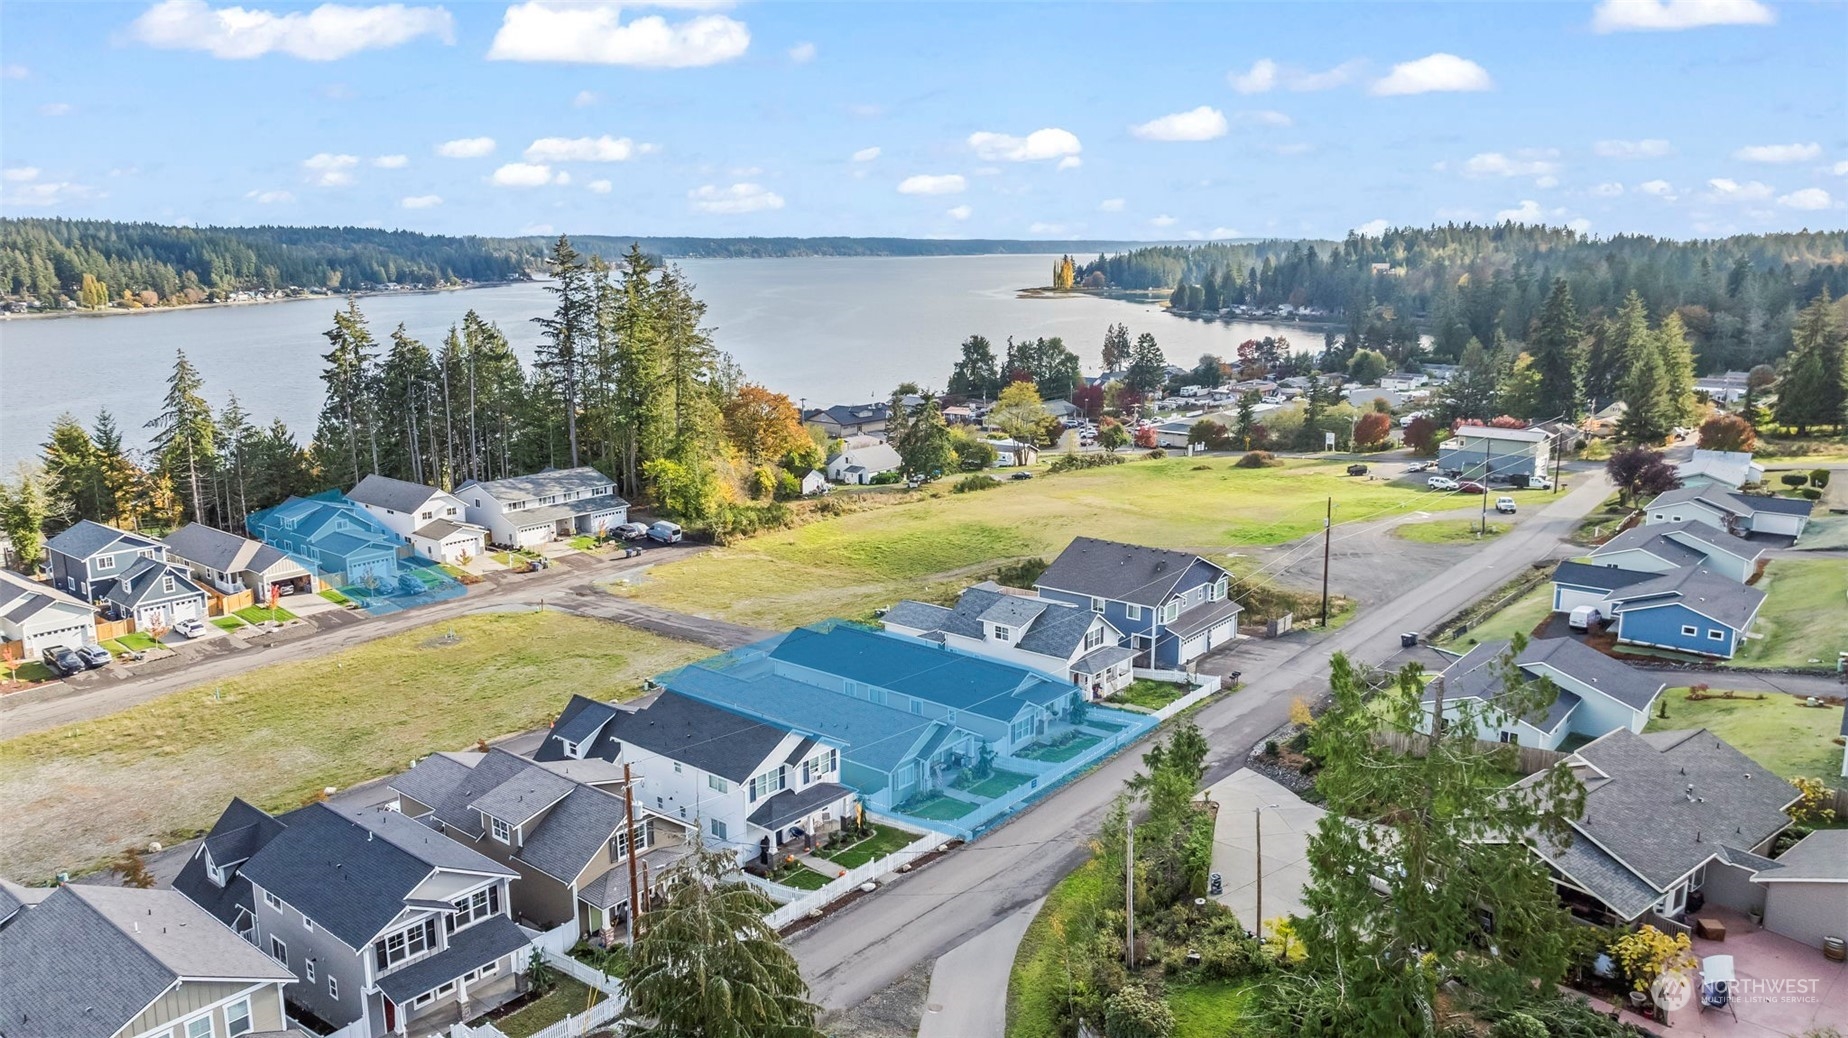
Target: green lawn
{"x": 1449, "y": 531}
{"x": 258, "y": 614}
{"x": 1042, "y": 977}
{"x": 997, "y": 783}
{"x": 569, "y": 998}
{"x": 1150, "y": 694}
{"x": 1211, "y": 1009}
{"x": 1522, "y": 615}
{"x": 1060, "y": 754}
{"x": 137, "y": 641}
{"x": 336, "y": 719}
{"x": 1777, "y": 731}
{"x": 584, "y": 542}
{"x": 335, "y": 597}
{"x": 884, "y": 840}
{"x": 33, "y": 670}
{"x": 228, "y": 623}
{"x": 804, "y": 878}
{"x": 1805, "y": 615}
{"x": 937, "y": 808}
{"x": 929, "y": 545}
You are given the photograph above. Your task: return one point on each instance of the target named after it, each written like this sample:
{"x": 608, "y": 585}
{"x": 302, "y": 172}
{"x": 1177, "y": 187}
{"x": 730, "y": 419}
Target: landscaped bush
{"x": 968, "y": 484}
{"x": 1819, "y": 478}
{"x": 882, "y": 479}
{"x": 1075, "y": 462}
{"x": 1257, "y": 460}
{"x": 1134, "y": 1013}
{"x": 1793, "y": 479}
{"x": 1810, "y": 492}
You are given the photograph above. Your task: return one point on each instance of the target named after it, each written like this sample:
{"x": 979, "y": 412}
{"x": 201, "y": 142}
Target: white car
{"x": 1505, "y": 504}
{"x": 1441, "y": 483}
{"x": 1539, "y": 482}
{"x": 191, "y": 627}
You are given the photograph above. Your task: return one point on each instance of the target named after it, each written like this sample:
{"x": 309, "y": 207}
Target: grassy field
{"x": 851, "y": 564}
{"x": 802, "y": 877}
{"x": 278, "y": 734}
{"x": 1805, "y": 615}
{"x": 1448, "y": 531}
{"x": 1523, "y": 615}
{"x": 1777, "y": 731}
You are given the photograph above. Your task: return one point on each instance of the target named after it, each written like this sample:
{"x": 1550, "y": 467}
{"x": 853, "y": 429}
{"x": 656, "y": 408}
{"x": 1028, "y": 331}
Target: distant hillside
{"x": 768, "y": 248}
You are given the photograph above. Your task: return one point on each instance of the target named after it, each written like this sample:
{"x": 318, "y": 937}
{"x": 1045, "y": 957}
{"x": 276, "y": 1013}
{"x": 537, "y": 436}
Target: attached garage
{"x": 1806, "y": 891}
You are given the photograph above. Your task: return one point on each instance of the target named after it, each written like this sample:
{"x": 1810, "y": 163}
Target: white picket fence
{"x": 585, "y": 974}
{"x": 1208, "y": 685}
{"x": 845, "y": 885}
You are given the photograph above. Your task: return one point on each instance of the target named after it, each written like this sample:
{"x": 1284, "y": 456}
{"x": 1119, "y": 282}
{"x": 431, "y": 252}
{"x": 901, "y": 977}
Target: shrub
{"x": 1518, "y": 1025}
{"x": 788, "y": 487}
{"x": 1225, "y": 956}
{"x": 1812, "y": 798}
{"x": 1727, "y": 432}
{"x": 1373, "y": 428}
{"x": 1810, "y": 492}
{"x": 1020, "y": 573}
{"x": 1134, "y": 1013}
{"x": 1793, "y": 479}
{"x": 1596, "y": 450}
{"x": 1156, "y": 455}
{"x": 882, "y": 479}
{"x": 967, "y": 484}
{"x": 1257, "y": 460}
{"x": 1210, "y": 434}
{"x": 1819, "y": 478}
{"x": 1645, "y": 954}
{"x": 1076, "y": 462}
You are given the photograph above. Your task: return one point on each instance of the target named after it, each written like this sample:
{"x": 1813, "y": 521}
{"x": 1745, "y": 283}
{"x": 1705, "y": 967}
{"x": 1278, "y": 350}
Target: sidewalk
{"x": 1286, "y": 830}
{"x": 968, "y": 987}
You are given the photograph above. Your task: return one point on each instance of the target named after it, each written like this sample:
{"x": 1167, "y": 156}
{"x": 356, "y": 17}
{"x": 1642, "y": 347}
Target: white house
{"x": 1012, "y": 453}
{"x": 815, "y": 482}
{"x": 1479, "y": 450}
{"x": 545, "y": 506}
{"x": 1729, "y": 470}
{"x": 1024, "y": 629}
{"x": 430, "y": 520}
{"x": 1665, "y": 547}
{"x": 1596, "y": 694}
{"x": 859, "y": 464}
{"x": 35, "y": 617}
{"x": 1734, "y": 512}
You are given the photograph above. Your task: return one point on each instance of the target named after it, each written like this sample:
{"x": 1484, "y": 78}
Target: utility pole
{"x": 1257, "y": 825}
{"x": 1328, "y": 530}
{"x": 1486, "y": 442}
{"x": 1129, "y": 894}
{"x": 628, "y": 814}
{"x": 1559, "y": 453}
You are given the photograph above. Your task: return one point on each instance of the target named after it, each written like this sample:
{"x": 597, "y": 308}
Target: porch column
{"x": 462, "y": 994}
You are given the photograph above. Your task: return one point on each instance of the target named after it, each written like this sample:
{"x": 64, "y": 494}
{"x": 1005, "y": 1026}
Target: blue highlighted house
{"x": 333, "y": 536}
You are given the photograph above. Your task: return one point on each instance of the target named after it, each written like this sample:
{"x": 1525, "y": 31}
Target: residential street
{"x": 867, "y": 945}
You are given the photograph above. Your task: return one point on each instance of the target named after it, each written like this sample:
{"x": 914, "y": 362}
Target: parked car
{"x": 1021, "y": 475}
{"x": 1539, "y": 482}
{"x": 1441, "y": 483}
{"x": 1470, "y": 486}
{"x": 286, "y": 588}
{"x": 191, "y": 627}
{"x": 1357, "y": 470}
{"x": 632, "y": 531}
{"x": 94, "y": 656}
{"x": 1505, "y": 504}
{"x": 1421, "y": 466}
{"x": 665, "y": 532}
{"x": 1583, "y": 617}
{"x": 62, "y": 661}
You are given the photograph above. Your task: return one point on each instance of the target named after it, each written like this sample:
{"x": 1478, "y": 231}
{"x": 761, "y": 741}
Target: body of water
{"x": 825, "y": 330}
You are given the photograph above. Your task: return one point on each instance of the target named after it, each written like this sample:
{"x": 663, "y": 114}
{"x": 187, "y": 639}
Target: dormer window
{"x": 570, "y": 748}
{"x": 1094, "y": 637}
{"x": 1171, "y": 610}
{"x": 500, "y": 830}
{"x": 1220, "y": 588}
{"x": 166, "y": 584}
{"x": 1002, "y": 633}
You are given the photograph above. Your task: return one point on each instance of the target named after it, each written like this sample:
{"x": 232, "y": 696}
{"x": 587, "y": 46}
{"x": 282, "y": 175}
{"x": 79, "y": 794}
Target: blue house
{"x": 1171, "y": 607}
{"x": 332, "y": 535}
{"x": 1692, "y": 609}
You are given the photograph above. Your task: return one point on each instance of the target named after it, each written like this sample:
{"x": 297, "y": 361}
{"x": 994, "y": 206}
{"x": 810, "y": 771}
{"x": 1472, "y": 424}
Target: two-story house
{"x": 1482, "y": 452}
{"x": 231, "y": 564}
{"x": 1594, "y": 693}
{"x": 564, "y": 825}
{"x": 126, "y": 574}
{"x": 332, "y": 536}
{"x": 433, "y": 522}
{"x": 383, "y": 921}
{"x": 525, "y": 510}
{"x": 1020, "y": 627}
{"x": 1169, "y": 606}
{"x": 115, "y": 962}
{"x": 844, "y": 420}
{"x": 752, "y": 786}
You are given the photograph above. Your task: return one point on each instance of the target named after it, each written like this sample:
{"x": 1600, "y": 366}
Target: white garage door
{"x": 1566, "y": 599}
{"x": 536, "y": 535}
{"x": 1193, "y": 647}
{"x": 1222, "y": 633}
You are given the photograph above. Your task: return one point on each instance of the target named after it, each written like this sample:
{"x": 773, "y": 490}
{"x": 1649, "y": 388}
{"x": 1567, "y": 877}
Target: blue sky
{"x": 1146, "y": 121}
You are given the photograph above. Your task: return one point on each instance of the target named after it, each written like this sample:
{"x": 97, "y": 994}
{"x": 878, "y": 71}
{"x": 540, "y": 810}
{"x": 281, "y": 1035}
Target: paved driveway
{"x": 1245, "y": 798}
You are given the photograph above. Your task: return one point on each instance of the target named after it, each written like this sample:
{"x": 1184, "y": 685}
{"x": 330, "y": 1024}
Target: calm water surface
{"x": 828, "y": 330}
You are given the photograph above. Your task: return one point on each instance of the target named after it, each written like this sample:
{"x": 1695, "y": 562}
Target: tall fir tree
{"x": 1678, "y": 368}
{"x": 185, "y": 436}
{"x": 1116, "y": 347}
{"x": 1814, "y": 384}
{"x": 346, "y": 444}
{"x": 1558, "y": 350}
{"x": 568, "y": 333}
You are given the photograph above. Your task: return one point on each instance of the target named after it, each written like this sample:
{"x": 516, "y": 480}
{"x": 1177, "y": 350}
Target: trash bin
{"x": 1408, "y": 640}
{"x": 1834, "y": 949}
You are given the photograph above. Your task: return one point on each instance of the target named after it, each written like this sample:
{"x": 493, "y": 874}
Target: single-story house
{"x": 1021, "y": 627}
{"x": 1578, "y": 584}
{"x": 814, "y": 482}
{"x": 332, "y": 536}
{"x": 1664, "y": 547}
{"x": 35, "y": 617}
{"x": 1013, "y": 453}
{"x": 431, "y": 521}
{"x": 1732, "y": 511}
{"x": 1595, "y": 693}
{"x": 556, "y": 503}
{"x": 231, "y": 564}
{"x": 860, "y": 464}
{"x": 1806, "y": 889}
{"x": 1479, "y": 450}
{"x": 846, "y": 420}
{"x": 1691, "y": 609}
{"x": 1170, "y": 607}
{"x": 1724, "y": 388}
{"x": 1728, "y": 470}
{"x": 1061, "y": 409}
{"x": 1667, "y": 814}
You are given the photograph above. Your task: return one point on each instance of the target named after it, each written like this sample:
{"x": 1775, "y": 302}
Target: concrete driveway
{"x": 1244, "y": 797}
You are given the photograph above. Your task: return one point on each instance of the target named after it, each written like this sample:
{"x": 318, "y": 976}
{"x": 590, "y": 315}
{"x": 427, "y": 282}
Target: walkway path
{"x": 968, "y": 988}
{"x": 1288, "y": 820}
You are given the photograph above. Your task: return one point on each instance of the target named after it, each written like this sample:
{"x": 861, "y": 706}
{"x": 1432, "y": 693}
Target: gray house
{"x": 127, "y": 574}
{"x": 114, "y": 962}
{"x": 524, "y": 510}
{"x": 35, "y": 616}
{"x": 1020, "y": 627}
{"x": 231, "y": 563}
{"x": 384, "y": 922}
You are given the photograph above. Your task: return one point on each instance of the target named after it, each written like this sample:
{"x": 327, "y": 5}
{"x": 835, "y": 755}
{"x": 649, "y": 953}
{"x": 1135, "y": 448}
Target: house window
{"x": 166, "y": 584}
{"x": 676, "y": 767}
{"x": 1512, "y": 738}
{"x": 502, "y": 831}
{"x": 1097, "y": 604}
{"x": 1717, "y": 636}
{"x": 714, "y": 783}
{"x": 200, "y": 1027}
{"x": 769, "y": 782}
{"x": 404, "y": 945}
{"x": 309, "y": 966}
{"x": 426, "y": 515}
{"x": 1220, "y": 587}
{"x": 237, "y": 1018}
{"x": 644, "y": 838}
{"x": 105, "y": 562}
{"x": 718, "y": 829}
{"x": 1022, "y": 730}
{"x": 486, "y": 971}
{"x": 1133, "y": 612}
{"x": 822, "y": 763}
{"x": 917, "y": 706}
{"x": 333, "y": 987}
{"x": 1003, "y": 634}
{"x": 480, "y": 905}
{"x": 307, "y": 923}
{"x": 1171, "y": 610}
{"x": 1688, "y": 631}
{"x": 279, "y": 951}
{"x": 272, "y": 900}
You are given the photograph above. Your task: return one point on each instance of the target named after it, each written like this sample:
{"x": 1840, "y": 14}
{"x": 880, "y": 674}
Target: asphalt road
{"x": 925, "y": 914}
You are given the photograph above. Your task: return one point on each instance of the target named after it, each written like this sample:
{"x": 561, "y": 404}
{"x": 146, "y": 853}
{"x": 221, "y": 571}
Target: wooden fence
{"x": 1528, "y": 759}
{"x": 219, "y": 604}
{"x": 108, "y": 629}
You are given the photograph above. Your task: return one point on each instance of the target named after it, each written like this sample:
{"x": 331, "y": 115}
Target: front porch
{"x": 443, "y": 1013}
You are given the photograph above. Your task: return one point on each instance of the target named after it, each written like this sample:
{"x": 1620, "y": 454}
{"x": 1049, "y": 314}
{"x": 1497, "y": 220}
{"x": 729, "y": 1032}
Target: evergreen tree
{"x": 1812, "y": 389}
{"x": 1649, "y": 407}
{"x": 923, "y": 441}
{"x": 120, "y": 483}
{"x": 1148, "y": 368}
{"x": 406, "y": 387}
{"x": 688, "y": 361}
{"x": 25, "y": 507}
{"x": 234, "y": 433}
{"x": 1678, "y": 368}
{"x": 1471, "y": 392}
{"x": 185, "y": 435}
{"x": 1116, "y": 347}
{"x": 975, "y": 376}
{"x": 346, "y": 444}
{"x": 639, "y": 411}
{"x": 72, "y": 471}
{"x": 1557, "y": 346}
{"x": 567, "y": 333}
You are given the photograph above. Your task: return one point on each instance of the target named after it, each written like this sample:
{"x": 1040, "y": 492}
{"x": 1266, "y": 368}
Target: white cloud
{"x": 1671, "y": 15}
{"x": 1224, "y": 232}
{"x": 1164, "y": 220}
{"x": 538, "y": 228}
{"x": 14, "y": 72}
{"x": 1659, "y": 188}
{"x": 738, "y": 198}
{"x": 522, "y": 174}
{"x": 1579, "y": 224}
{"x": 1049, "y": 143}
{"x": 421, "y": 201}
{"x": 584, "y": 99}
{"x": 802, "y": 53}
{"x": 35, "y": 193}
{"x": 1840, "y": 169}
{"x": 1647, "y": 148}
{"x": 866, "y": 154}
{"x": 326, "y": 33}
{"x": 1546, "y": 182}
{"x": 330, "y": 170}
{"x": 1260, "y": 79}
{"x": 1200, "y": 124}
{"x": 391, "y": 161}
{"x": 1372, "y": 228}
{"x": 1806, "y": 198}
{"x": 595, "y": 34}
{"x": 1070, "y": 162}
{"x": 585, "y": 149}
{"x": 19, "y": 174}
{"x": 1528, "y": 162}
{"x": 1609, "y": 189}
{"x": 1263, "y": 117}
{"x": 561, "y": 177}
{"x": 1435, "y": 73}
{"x": 56, "y": 108}
{"x": 1528, "y": 211}
{"x": 1266, "y": 75}
{"x": 1110, "y": 205}
{"x": 270, "y": 197}
{"x": 466, "y": 148}
{"x": 933, "y": 184}
{"x": 601, "y": 187}
{"x": 961, "y": 212}
{"x": 1779, "y": 153}
{"x": 1340, "y": 75}
{"x": 1045, "y": 228}
{"x": 1725, "y": 189}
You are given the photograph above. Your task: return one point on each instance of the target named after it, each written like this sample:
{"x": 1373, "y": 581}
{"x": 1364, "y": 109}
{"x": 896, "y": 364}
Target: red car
{"x": 1471, "y": 487}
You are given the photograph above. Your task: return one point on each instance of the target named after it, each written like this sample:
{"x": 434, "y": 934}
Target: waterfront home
{"x": 332, "y": 536}
{"x": 35, "y": 617}
{"x": 1021, "y": 627}
{"x": 1594, "y": 693}
{"x": 1169, "y": 606}
{"x": 847, "y": 420}
{"x": 520, "y": 511}
{"x": 229, "y": 564}
{"x": 1736, "y": 513}
{"x": 757, "y": 788}
{"x": 430, "y": 520}
{"x": 125, "y": 574}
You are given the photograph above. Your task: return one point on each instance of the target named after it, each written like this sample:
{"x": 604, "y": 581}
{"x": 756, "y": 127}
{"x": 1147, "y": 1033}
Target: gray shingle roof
{"x": 1054, "y": 628}
{"x": 469, "y": 948}
{"x": 1651, "y": 536}
{"x": 1203, "y": 617}
{"x": 920, "y": 616}
{"x": 1701, "y": 590}
{"x": 692, "y": 731}
{"x": 574, "y": 833}
{"x": 1012, "y": 610}
{"x": 145, "y": 582}
{"x": 789, "y": 805}
{"x": 1476, "y": 676}
{"x": 1603, "y": 578}
{"x": 242, "y": 830}
{"x": 542, "y": 484}
{"x": 1732, "y": 501}
{"x": 522, "y": 794}
{"x": 1820, "y": 857}
{"x": 399, "y": 495}
{"x": 1098, "y": 659}
{"x": 437, "y": 529}
{"x": 226, "y": 552}
{"x": 1634, "y": 688}
{"x": 23, "y": 598}
{"x": 87, "y": 538}
{"x": 1123, "y": 572}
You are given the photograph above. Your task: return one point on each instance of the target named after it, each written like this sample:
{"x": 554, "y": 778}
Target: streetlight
{"x": 1257, "y": 823}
